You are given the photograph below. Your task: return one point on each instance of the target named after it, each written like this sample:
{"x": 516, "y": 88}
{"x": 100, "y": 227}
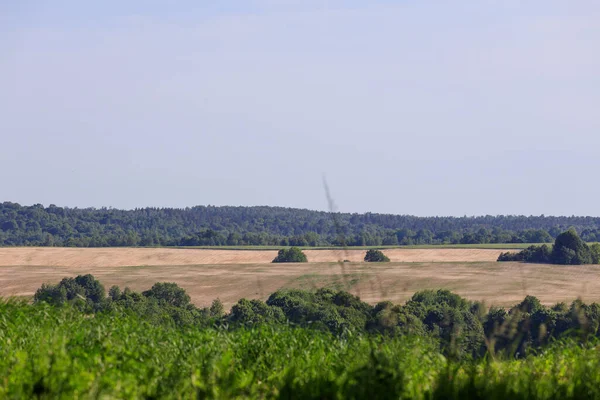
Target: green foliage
{"x": 449, "y": 317}
{"x": 82, "y": 287}
{"x": 376, "y": 256}
{"x": 48, "y": 352}
{"x": 93, "y": 289}
{"x": 51, "y": 294}
{"x": 291, "y": 255}
{"x": 532, "y": 254}
{"x": 462, "y": 328}
{"x": 529, "y": 305}
{"x": 217, "y": 310}
{"x": 299, "y": 344}
{"x": 114, "y": 292}
{"x": 568, "y": 249}
{"x": 595, "y": 253}
{"x": 254, "y": 312}
{"x": 510, "y": 256}
{"x": 37, "y": 225}
{"x": 324, "y": 309}
{"x": 168, "y": 293}
{"x": 439, "y": 297}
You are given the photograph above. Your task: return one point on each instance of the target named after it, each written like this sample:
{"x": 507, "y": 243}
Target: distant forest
{"x": 274, "y": 226}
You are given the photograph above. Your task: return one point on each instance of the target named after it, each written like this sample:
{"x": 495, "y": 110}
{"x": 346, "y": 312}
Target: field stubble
{"x": 231, "y": 275}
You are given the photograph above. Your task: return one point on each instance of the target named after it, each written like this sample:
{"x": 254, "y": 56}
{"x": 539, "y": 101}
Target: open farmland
{"x": 122, "y": 257}
{"x": 231, "y": 275}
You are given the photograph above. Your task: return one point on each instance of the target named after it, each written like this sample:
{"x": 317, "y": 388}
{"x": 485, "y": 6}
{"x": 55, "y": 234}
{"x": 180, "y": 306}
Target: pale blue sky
{"x": 409, "y": 107}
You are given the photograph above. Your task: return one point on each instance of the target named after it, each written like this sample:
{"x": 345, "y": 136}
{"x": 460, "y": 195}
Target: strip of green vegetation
{"x": 492, "y": 246}
{"x": 49, "y": 352}
{"x": 267, "y": 226}
{"x": 464, "y": 328}
{"x": 74, "y": 341}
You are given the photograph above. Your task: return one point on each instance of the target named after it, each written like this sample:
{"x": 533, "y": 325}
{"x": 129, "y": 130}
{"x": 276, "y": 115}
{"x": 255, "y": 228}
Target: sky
{"x": 405, "y": 107}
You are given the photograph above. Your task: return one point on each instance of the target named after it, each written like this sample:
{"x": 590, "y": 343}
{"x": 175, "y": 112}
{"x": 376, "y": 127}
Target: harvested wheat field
{"x": 119, "y": 257}
{"x": 230, "y": 276}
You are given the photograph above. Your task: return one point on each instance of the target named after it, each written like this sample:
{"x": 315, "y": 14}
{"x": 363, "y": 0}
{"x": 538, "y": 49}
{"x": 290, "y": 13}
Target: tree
{"x": 291, "y": 255}
{"x": 114, "y": 293}
{"x": 376, "y": 256}
{"x": 51, "y": 294}
{"x": 569, "y": 249}
{"x": 274, "y": 226}
{"x": 595, "y": 250}
{"x": 537, "y": 254}
{"x": 84, "y": 287}
{"x": 169, "y": 293}
{"x": 216, "y": 309}
{"x": 92, "y": 287}
{"x": 250, "y": 312}
{"x": 529, "y": 305}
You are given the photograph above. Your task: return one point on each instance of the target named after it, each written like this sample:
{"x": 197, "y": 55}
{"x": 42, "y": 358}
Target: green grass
{"x": 60, "y": 353}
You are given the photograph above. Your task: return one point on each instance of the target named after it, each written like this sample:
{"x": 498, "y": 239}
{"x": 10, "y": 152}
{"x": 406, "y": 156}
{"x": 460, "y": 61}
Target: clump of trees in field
{"x": 568, "y": 249}
{"x": 374, "y": 255}
{"x": 83, "y": 287}
{"x": 463, "y": 328}
{"x": 291, "y": 255}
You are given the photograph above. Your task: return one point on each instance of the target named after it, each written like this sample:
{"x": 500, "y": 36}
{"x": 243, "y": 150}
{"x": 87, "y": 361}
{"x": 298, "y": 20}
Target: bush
{"x": 529, "y": 305}
{"x": 168, "y": 293}
{"x": 538, "y": 254}
{"x": 55, "y": 295}
{"x": 114, "y": 293}
{"x": 291, "y": 255}
{"x": 376, "y": 256}
{"x": 508, "y": 256}
{"x": 324, "y": 309}
{"x": 439, "y": 297}
{"x": 217, "y": 310}
{"x": 255, "y": 312}
{"x": 82, "y": 287}
{"x": 568, "y": 249}
{"x": 461, "y": 327}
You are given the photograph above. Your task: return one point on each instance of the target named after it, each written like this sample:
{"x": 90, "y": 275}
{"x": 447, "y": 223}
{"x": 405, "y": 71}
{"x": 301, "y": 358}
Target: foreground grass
{"x": 60, "y": 353}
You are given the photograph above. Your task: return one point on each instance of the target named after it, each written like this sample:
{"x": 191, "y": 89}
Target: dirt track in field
{"x": 119, "y": 257}
{"x": 208, "y": 274}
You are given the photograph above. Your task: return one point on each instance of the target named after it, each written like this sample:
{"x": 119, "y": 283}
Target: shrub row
{"x": 463, "y": 329}
{"x": 568, "y": 249}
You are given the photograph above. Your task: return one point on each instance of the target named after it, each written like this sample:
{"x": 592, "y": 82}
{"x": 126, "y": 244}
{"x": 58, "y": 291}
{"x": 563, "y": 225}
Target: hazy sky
{"x": 408, "y": 107}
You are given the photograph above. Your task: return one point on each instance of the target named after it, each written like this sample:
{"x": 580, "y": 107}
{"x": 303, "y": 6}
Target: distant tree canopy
{"x": 291, "y": 255}
{"x": 568, "y": 249}
{"x": 273, "y": 226}
{"x": 376, "y": 256}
